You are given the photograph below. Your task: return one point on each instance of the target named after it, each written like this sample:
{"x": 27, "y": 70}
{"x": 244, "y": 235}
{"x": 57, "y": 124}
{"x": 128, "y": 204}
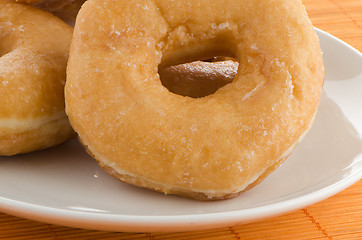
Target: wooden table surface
{"x": 339, "y": 217}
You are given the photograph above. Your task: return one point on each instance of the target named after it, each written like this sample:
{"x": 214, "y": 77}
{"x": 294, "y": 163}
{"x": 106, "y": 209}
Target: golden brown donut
{"x": 34, "y": 48}
{"x": 64, "y": 9}
{"x": 207, "y": 148}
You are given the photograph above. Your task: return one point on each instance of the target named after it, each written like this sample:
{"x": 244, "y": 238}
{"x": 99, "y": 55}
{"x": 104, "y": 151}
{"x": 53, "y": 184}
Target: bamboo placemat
{"x": 339, "y": 217}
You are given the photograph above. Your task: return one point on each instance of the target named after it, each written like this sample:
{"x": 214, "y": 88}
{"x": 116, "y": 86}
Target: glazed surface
{"x": 34, "y": 49}
{"x": 215, "y": 145}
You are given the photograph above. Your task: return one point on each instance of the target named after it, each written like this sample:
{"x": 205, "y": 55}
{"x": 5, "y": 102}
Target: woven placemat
{"x": 339, "y": 217}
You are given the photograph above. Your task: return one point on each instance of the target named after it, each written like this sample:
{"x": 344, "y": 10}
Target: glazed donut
{"x": 64, "y": 9}
{"x": 34, "y": 48}
{"x": 198, "y": 79}
{"x": 206, "y": 148}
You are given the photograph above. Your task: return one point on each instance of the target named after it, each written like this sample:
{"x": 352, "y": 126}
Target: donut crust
{"x": 212, "y": 147}
{"x": 66, "y": 10}
{"x": 34, "y": 49}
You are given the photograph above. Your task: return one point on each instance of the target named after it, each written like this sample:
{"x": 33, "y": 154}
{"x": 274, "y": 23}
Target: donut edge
{"x": 189, "y": 193}
{"x": 197, "y": 195}
{"x": 50, "y": 133}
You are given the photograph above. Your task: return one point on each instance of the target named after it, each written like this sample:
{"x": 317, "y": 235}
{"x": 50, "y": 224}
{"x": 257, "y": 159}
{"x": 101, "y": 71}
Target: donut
{"x": 34, "y": 49}
{"x": 64, "y": 9}
{"x": 198, "y": 79}
{"x": 206, "y": 148}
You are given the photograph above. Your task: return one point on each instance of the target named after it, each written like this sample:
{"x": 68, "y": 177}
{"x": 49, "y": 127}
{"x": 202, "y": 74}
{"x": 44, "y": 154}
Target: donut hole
{"x": 199, "y": 78}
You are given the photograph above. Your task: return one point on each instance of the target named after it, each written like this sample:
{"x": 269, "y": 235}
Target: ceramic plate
{"x": 64, "y": 186}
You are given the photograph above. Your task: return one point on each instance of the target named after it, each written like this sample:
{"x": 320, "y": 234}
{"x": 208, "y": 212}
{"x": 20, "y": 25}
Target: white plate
{"x": 65, "y": 186}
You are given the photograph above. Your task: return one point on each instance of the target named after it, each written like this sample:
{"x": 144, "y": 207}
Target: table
{"x": 339, "y": 217}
